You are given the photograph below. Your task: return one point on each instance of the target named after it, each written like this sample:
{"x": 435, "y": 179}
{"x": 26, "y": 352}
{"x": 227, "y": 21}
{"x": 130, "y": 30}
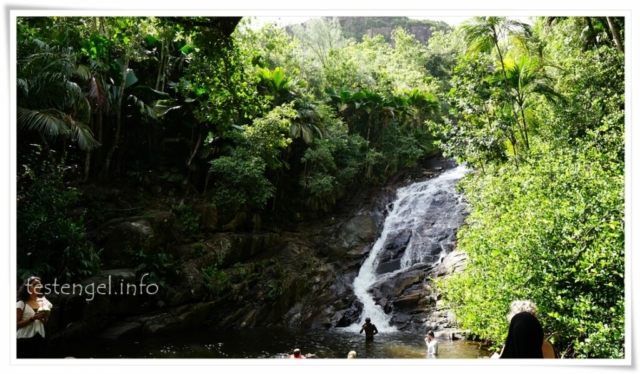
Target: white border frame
{"x": 416, "y": 11}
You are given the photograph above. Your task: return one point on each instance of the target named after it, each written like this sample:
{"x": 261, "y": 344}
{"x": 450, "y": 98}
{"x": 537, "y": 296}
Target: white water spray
{"x": 409, "y": 211}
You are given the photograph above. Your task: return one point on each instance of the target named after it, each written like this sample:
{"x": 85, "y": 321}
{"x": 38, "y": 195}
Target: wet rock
{"x": 120, "y": 330}
{"x": 179, "y": 318}
{"x": 116, "y": 237}
{"x": 401, "y": 321}
{"x": 394, "y": 247}
{"x": 229, "y": 248}
{"x": 388, "y": 267}
{"x": 349, "y": 316}
{"x": 352, "y": 238}
{"x": 407, "y": 302}
{"x": 238, "y": 222}
{"x": 208, "y": 216}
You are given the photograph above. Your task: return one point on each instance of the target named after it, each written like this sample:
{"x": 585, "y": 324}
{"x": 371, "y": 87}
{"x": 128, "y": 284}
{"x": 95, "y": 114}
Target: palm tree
{"x": 483, "y": 34}
{"x": 306, "y": 124}
{"x": 615, "y": 33}
{"x": 276, "y": 84}
{"x": 424, "y": 104}
{"x": 128, "y": 98}
{"x": 527, "y": 78}
{"x": 49, "y": 100}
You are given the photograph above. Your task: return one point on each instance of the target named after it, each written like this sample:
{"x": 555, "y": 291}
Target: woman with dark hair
{"x": 525, "y": 337}
{"x": 520, "y": 306}
{"x": 31, "y": 320}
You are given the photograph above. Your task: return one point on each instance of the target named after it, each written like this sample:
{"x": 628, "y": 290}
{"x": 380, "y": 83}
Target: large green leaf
{"x": 49, "y": 121}
{"x": 131, "y": 79}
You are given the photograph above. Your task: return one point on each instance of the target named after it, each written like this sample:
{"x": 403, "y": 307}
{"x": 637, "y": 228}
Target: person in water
{"x": 432, "y": 344}
{"x": 520, "y": 306}
{"x": 297, "y": 354}
{"x": 369, "y": 329}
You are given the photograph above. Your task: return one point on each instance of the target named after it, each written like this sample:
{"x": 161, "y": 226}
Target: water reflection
{"x": 264, "y": 343}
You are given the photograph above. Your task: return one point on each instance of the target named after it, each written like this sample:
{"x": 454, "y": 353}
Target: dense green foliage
{"x": 255, "y": 122}
{"x": 546, "y": 216}
{"x": 51, "y": 240}
{"x": 282, "y": 124}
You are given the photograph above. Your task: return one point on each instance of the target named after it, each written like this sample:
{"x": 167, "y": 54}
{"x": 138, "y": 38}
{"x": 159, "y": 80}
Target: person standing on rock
{"x": 432, "y": 344}
{"x": 369, "y": 329}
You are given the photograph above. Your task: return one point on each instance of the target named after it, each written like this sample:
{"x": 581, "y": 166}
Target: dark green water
{"x": 263, "y": 343}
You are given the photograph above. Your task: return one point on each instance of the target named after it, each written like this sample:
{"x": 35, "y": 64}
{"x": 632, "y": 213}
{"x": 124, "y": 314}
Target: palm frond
{"x": 83, "y": 110}
{"x": 23, "y": 87}
{"x": 163, "y": 107}
{"x": 83, "y": 135}
{"x": 50, "y": 121}
{"x": 307, "y": 135}
{"x": 75, "y": 93}
{"x": 97, "y": 95}
{"x": 83, "y": 72}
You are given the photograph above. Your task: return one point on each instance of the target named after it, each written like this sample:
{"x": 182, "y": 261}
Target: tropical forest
{"x": 223, "y": 187}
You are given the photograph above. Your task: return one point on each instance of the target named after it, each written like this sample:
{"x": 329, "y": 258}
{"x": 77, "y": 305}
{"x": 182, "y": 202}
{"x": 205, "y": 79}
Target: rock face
{"x": 152, "y": 231}
{"x": 413, "y": 299}
{"x": 90, "y": 305}
{"x": 302, "y": 277}
{"x": 372, "y": 26}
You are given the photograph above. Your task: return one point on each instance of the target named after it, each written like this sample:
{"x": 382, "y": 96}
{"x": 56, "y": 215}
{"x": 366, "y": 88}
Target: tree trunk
{"x": 118, "y": 116}
{"x": 99, "y": 114}
{"x": 87, "y": 160}
{"x": 506, "y": 82}
{"x": 103, "y": 30}
{"x": 160, "y": 66}
{"x": 45, "y": 144}
{"x": 195, "y": 149}
{"x": 206, "y": 184}
{"x": 87, "y": 166}
{"x": 592, "y": 32}
{"x": 603, "y": 20}
{"x": 616, "y": 34}
{"x": 524, "y": 127}
{"x": 120, "y": 164}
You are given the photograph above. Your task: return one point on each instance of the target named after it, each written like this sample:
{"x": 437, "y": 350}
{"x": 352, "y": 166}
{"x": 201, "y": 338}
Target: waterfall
{"x": 421, "y": 225}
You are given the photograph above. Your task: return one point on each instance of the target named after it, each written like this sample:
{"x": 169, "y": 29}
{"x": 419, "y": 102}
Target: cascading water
{"x": 425, "y": 216}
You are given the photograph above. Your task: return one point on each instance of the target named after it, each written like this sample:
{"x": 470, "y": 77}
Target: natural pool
{"x": 264, "y": 343}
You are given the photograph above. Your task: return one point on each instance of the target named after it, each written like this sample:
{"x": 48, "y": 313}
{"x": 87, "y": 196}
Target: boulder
{"x": 408, "y": 302}
{"x": 395, "y": 244}
{"x": 352, "y": 238}
{"x": 149, "y": 232}
{"x": 451, "y": 263}
{"x": 208, "y": 215}
{"x": 228, "y": 247}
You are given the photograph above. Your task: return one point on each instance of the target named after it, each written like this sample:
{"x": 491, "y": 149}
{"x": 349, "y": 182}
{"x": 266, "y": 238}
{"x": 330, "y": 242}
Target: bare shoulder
{"x": 547, "y": 350}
